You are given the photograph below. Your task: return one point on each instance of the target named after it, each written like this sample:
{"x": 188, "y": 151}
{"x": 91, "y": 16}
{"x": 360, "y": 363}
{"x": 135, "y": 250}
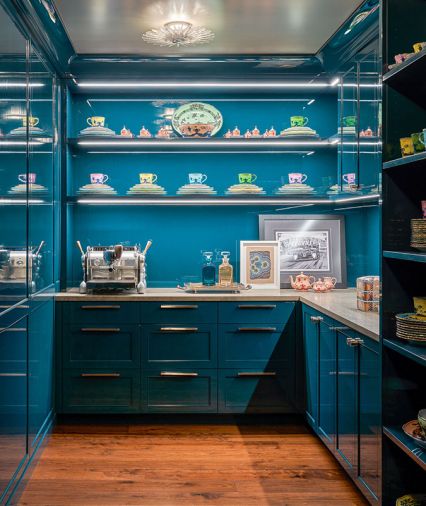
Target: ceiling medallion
{"x": 178, "y": 33}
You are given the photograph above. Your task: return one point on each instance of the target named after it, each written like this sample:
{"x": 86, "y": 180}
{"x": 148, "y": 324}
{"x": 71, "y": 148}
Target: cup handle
{"x": 22, "y": 178}
{"x": 253, "y": 178}
{"x": 203, "y": 179}
{"x": 345, "y": 178}
{"x": 105, "y": 179}
{"x": 334, "y": 281}
{"x": 36, "y": 121}
{"x": 304, "y": 178}
{"x": 313, "y": 279}
{"x": 89, "y": 122}
{"x": 305, "y": 121}
{"x": 422, "y": 138}
{"x": 154, "y": 178}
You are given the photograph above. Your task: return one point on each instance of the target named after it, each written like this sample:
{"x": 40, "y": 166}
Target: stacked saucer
{"x": 293, "y": 188}
{"x": 245, "y": 188}
{"x": 418, "y": 234}
{"x": 196, "y": 189}
{"x": 19, "y": 189}
{"x": 96, "y": 188}
{"x": 22, "y": 131}
{"x": 146, "y": 189}
{"x": 349, "y": 130}
{"x": 299, "y": 131}
{"x": 411, "y": 327}
{"x": 97, "y": 131}
{"x": 346, "y": 188}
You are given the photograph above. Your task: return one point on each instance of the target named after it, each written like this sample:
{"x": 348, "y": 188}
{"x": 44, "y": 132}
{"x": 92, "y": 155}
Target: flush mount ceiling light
{"x": 178, "y": 33}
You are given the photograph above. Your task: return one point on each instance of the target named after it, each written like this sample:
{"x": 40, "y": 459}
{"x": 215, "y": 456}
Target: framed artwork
{"x": 312, "y": 243}
{"x": 259, "y": 264}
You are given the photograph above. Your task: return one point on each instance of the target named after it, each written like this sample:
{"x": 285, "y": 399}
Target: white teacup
{"x": 197, "y": 178}
{"x": 98, "y": 178}
{"x": 28, "y": 178}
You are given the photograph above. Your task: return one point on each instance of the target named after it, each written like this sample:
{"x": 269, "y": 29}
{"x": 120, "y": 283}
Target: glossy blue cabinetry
{"x": 102, "y": 313}
{"x": 327, "y": 381}
{"x": 311, "y": 354}
{"x": 178, "y": 312}
{"x": 255, "y": 312}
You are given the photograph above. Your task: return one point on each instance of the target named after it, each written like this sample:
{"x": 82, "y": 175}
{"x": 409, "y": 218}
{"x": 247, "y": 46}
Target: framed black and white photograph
{"x": 312, "y": 243}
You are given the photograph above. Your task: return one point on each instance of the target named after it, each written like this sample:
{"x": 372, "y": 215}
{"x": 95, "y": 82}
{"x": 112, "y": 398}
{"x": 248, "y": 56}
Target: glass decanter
{"x": 208, "y": 270}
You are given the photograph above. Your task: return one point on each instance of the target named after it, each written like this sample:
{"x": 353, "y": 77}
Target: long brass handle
{"x": 177, "y": 306}
{"x": 100, "y": 375}
{"x": 255, "y": 374}
{"x": 8, "y": 329}
{"x": 338, "y": 328}
{"x": 260, "y": 306}
{"x": 100, "y": 307}
{"x": 179, "y": 374}
{"x": 350, "y": 341}
{"x": 257, "y": 329}
{"x": 179, "y": 329}
{"x": 316, "y": 319}
{"x": 13, "y": 374}
{"x": 92, "y": 329}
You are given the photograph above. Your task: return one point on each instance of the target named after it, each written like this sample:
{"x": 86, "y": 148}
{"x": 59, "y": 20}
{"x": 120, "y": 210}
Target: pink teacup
{"x": 30, "y": 178}
{"x": 297, "y": 177}
{"x": 98, "y": 178}
{"x": 349, "y": 178}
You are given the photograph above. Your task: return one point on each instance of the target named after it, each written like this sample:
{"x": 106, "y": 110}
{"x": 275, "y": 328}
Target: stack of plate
{"x": 349, "y": 130}
{"x": 19, "y": 189}
{"x": 97, "y": 131}
{"x": 411, "y": 327}
{"x": 245, "y": 188}
{"x": 22, "y": 131}
{"x": 195, "y": 189}
{"x": 418, "y": 234}
{"x": 299, "y": 131}
{"x": 289, "y": 189}
{"x": 146, "y": 189}
{"x": 96, "y": 188}
{"x": 346, "y": 188}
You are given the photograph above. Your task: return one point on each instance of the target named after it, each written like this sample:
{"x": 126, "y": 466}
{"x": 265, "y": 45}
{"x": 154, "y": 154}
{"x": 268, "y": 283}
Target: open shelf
{"x": 408, "y": 256}
{"x": 411, "y": 351}
{"x": 413, "y": 160}
{"x": 397, "y": 436}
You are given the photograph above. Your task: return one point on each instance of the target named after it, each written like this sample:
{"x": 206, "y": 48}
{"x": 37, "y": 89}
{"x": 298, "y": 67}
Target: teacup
{"x": 27, "y": 178}
{"x": 419, "y": 46}
{"x": 418, "y": 143}
{"x": 297, "y": 177}
{"x": 298, "y": 121}
{"x": 147, "y": 178}
{"x": 32, "y": 121}
{"x": 407, "y": 146}
{"x": 420, "y": 305}
{"x": 96, "y": 121}
{"x": 421, "y": 418}
{"x": 246, "y": 177}
{"x": 349, "y": 178}
{"x": 349, "y": 121}
{"x": 422, "y": 136}
{"x": 98, "y": 178}
{"x": 197, "y": 178}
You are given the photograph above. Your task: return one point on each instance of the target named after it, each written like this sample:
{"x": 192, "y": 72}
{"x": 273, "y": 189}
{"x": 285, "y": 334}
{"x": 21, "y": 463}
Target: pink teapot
{"x": 302, "y": 282}
{"x": 329, "y": 282}
{"x": 320, "y": 286}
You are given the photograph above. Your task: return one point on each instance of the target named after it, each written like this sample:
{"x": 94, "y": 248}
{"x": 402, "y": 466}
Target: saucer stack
{"x": 411, "y": 327}
{"x": 245, "y": 189}
{"x": 146, "y": 189}
{"x": 22, "y": 131}
{"x": 346, "y": 188}
{"x": 418, "y": 234}
{"x": 349, "y": 130}
{"x": 97, "y": 131}
{"x": 19, "y": 189}
{"x": 96, "y": 188}
{"x": 294, "y": 188}
{"x": 299, "y": 131}
{"x": 196, "y": 189}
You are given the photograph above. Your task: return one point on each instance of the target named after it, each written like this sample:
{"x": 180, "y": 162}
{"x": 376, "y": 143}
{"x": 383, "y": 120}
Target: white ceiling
{"x": 241, "y": 26}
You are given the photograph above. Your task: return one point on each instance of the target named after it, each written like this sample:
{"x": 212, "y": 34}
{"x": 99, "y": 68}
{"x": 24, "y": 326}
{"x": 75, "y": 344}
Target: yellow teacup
{"x": 420, "y": 305}
{"x": 419, "y": 46}
{"x": 32, "y": 121}
{"x": 147, "y": 178}
{"x": 96, "y": 121}
{"x": 407, "y": 146}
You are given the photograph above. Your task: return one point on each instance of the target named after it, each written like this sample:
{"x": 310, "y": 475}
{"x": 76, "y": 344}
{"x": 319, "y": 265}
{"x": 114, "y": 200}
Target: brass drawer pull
{"x": 257, "y": 329}
{"x": 100, "y": 375}
{"x": 13, "y": 375}
{"x": 168, "y": 374}
{"x": 177, "y": 306}
{"x": 316, "y": 319}
{"x": 338, "y": 328}
{"x": 179, "y": 329}
{"x": 260, "y": 306}
{"x": 352, "y": 342}
{"x": 100, "y": 307}
{"x": 255, "y": 374}
{"x": 100, "y": 330}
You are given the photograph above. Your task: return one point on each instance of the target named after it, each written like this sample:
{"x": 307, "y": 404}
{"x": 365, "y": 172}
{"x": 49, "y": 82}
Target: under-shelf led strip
{"x": 212, "y": 84}
{"x": 205, "y": 143}
{"x": 20, "y": 85}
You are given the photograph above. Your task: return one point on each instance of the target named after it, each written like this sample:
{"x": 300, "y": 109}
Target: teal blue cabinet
{"x": 179, "y": 390}
{"x": 253, "y": 391}
{"x": 311, "y": 354}
{"x": 101, "y": 313}
{"x": 194, "y": 345}
{"x": 327, "y": 381}
{"x": 255, "y": 312}
{"x": 179, "y": 312}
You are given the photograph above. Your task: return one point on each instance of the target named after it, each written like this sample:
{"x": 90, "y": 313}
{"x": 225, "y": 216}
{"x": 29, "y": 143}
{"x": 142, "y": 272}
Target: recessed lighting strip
{"x": 204, "y": 143}
{"x": 20, "y": 85}
{"x": 20, "y": 201}
{"x": 202, "y": 85}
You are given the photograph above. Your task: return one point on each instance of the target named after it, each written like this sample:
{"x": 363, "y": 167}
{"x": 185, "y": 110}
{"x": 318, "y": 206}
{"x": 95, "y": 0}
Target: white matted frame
{"x": 260, "y": 264}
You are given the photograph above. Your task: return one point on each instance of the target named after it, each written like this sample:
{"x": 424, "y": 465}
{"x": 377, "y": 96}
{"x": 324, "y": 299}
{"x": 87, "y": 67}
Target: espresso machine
{"x": 113, "y": 267}
{"x": 14, "y": 264}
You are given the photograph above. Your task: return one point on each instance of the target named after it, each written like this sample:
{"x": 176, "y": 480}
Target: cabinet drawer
{"x": 101, "y": 391}
{"x": 179, "y": 312}
{"x": 180, "y": 390}
{"x": 181, "y": 346}
{"x": 254, "y": 345}
{"x": 255, "y": 391}
{"x": 255, "y": 312}
{"x": 101, "y": 346}
{"x": 103, "y": 313}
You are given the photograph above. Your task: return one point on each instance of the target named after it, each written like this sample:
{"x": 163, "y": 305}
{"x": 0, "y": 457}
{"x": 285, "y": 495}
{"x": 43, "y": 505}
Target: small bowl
{"x": 420, "y": 305}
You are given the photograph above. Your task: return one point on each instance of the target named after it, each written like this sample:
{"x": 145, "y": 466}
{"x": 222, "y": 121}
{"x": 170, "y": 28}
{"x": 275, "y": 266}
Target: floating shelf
{"x": 408, "y": 256}
{"x": 397, "y": 436}
{"x": 412, "y": 160}
{"x": 411, "y": 351}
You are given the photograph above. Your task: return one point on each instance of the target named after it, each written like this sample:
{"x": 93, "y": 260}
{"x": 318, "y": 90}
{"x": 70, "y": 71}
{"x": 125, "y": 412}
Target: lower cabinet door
{"x": 101, "y": 391}
{"x": 254, "y": 391}
{"x": 327, "y": 384}
{"x": 179, "y": 390}
{"x": 311, "y": 355}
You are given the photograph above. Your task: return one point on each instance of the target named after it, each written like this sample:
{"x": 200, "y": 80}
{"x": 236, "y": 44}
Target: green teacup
{"x": 421, "y": 418}
{"x": 246, "y": 177}
{"x": 298, "y": 121}
{"x": 418, "y": 144}
{"x": 349, "y": 121}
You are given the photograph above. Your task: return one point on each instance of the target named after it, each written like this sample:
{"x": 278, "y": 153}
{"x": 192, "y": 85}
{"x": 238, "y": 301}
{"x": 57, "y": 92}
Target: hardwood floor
{"x": 180, "y": 464}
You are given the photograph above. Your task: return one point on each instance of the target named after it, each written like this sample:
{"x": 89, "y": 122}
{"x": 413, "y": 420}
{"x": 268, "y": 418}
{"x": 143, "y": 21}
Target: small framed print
{"x": 260, "y": 264}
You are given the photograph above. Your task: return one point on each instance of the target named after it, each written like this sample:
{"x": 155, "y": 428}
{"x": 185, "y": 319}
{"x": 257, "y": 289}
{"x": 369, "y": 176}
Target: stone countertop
{"x": 338, "y": 304}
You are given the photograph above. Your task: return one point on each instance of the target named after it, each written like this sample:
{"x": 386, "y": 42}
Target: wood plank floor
{"x": 179, "y": 464}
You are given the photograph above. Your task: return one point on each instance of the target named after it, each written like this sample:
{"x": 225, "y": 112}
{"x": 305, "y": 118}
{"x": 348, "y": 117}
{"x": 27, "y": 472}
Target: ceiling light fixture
{"x": 178, "y": 33}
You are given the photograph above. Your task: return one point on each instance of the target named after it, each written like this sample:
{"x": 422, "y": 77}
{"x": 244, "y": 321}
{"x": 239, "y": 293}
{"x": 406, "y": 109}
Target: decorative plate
{"x": 412, "y": 429}
{"x": 197, "y": 119}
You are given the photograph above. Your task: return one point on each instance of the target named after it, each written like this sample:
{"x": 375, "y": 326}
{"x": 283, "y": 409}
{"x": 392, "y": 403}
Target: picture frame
{"x": 310, "y": 243}
{"x": 259, "y": 264}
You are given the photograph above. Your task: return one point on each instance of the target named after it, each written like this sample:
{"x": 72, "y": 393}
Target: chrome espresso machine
{"x": 113, "y": 267}
{"x": 18, "y": 263}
